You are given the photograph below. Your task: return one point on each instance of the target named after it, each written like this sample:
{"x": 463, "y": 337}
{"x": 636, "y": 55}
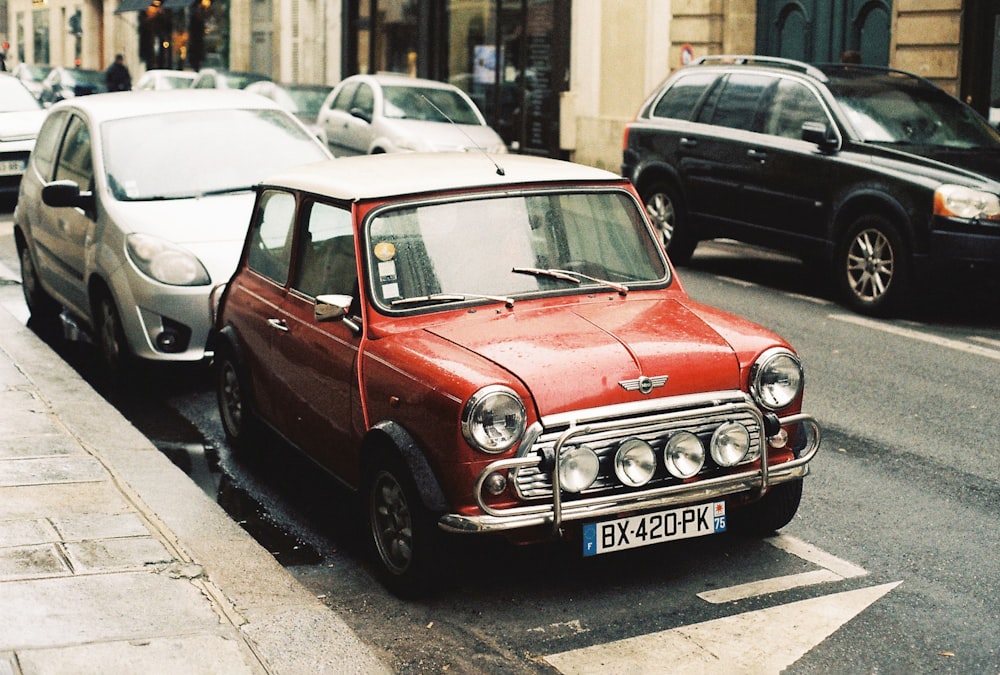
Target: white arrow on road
{"x": 734, "y": 644}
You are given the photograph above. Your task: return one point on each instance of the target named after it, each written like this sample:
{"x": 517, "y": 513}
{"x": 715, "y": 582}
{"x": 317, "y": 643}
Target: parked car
{"x": 874, "y": 174}
{"x": 32, "y": 75}
{"x": 213, "y": 78}
{"x": 302, "y": 100}
{"x": 372, "y": 114}
{"x": 501, "y": 348}
{"x": 134, "y": 206}
{"x": 21, "y": 116}
{"x": 62, "y": 83}
{"x": 161, "y": 78}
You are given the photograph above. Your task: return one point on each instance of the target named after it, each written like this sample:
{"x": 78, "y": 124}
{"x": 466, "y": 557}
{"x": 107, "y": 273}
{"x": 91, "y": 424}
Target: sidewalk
{"x": 113, "y": 561}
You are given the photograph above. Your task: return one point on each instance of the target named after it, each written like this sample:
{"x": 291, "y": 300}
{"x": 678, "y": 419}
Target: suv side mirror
{"x": 67, "y": 194}
{"x": 821, "y": 134}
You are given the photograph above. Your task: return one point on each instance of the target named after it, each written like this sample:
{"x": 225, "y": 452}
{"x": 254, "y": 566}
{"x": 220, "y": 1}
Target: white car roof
{"x": 389, "y": 175}
{"x": 119, "y": 105}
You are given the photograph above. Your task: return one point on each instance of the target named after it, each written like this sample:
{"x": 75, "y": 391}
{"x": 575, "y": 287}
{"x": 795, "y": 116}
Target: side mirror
{"x": 821, "y": 134}
{"x": 361, "y": 115}
{"x": 335, "y": 308}
{"x": 66, "y": 194}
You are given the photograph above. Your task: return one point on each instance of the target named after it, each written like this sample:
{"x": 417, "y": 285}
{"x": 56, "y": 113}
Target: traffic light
{"x": 74, "y": 23}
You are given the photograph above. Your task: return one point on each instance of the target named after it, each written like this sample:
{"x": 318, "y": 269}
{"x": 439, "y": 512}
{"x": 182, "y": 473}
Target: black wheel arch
{"x": 392, "y": 435}
{"x": 875, "y": 201}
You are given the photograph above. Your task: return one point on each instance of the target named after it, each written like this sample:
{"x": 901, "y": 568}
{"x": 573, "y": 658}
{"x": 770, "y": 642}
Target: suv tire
{"x": 666, "y": 212}
{"x": 871, "y": 266}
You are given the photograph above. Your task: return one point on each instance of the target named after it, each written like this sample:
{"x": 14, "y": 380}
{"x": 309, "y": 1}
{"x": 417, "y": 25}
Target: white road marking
{"x": 834, "y": 569}
{"x": 731, "y": 644}
{"x": 986, "y": 340}
{"x": 957, "y": 345}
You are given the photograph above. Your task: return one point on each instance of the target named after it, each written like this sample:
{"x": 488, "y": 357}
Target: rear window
{"x": 681, "y": 99}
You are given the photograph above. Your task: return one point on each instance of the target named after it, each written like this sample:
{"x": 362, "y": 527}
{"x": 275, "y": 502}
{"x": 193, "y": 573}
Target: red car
{"x": 484, "y": 345}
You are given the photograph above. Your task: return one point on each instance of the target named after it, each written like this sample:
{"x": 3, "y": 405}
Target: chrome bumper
{"x": 555, "y": 513}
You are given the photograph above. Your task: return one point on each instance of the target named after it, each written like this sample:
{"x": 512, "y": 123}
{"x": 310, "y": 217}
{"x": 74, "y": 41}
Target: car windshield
{"x": 891, "y": 109}
{"x": 306, "y": 100}
{"x": 79, "y": 76}
{"x": 14, "y": 97}
{"x": 428, "y": 104}
{"x": 188, "y": 154}
{"x": 511, "y": 245}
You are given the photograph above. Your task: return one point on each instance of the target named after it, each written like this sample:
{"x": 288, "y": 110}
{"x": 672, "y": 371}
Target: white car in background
{"x": 134, "y": 206}
{"x": 21, "y": 116}
{"x": 372, "y": 114}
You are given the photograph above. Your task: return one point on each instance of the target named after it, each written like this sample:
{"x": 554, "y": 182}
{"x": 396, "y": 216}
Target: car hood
{"x": 437, "y": 136}
{"x": 981, "y": 161}
{"x": 20, "y": 125}
{"x": 578, "y": 357}
{"x": 975, "y": 164}
{"x": 213, "y": 228}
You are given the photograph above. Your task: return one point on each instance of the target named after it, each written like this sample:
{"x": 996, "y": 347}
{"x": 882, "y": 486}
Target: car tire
{"x": 871, "y": 268}
{"x": 110, "y": 334}
{"x": 43, "y": 307}
{"x": 769, "y": 514}
{"x": 239, "y": 420}
{"x": 666, "y": 212}
{"x": 403, "y": 535}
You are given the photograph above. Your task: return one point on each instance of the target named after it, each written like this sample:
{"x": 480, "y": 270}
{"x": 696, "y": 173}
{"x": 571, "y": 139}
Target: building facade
{"x": 554, "y": 77}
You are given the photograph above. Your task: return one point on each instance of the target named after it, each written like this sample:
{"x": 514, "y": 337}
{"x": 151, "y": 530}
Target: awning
{"x": 132, "y": 5}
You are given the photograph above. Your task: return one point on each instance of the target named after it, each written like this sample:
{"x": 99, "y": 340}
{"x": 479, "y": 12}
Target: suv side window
{"x": 792, "y": 104}
{"x": 271, "y": 236}
{"x": 680, "y": 101}
{"x": 735, "y": 104}
{"x": 75, "y": 162}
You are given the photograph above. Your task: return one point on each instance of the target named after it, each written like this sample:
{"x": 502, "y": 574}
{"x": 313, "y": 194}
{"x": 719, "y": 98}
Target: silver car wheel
{"x": 111, "y": 335}
{"x": 870, "y": 265}
{"x": 663, "y": 215}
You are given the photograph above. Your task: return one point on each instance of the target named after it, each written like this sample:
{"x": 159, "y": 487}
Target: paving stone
{"x": 114, "y": 555}
{"x": 26, "y": 532}
{"x": 100, "y": 526}
{"x": 38, "y": 445}
{"x": 22, "y": 502}
{"x": 46, "y": 470}
{"x": 31, "y": 562}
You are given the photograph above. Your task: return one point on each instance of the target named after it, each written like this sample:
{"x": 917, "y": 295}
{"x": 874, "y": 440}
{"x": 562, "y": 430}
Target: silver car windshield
{"x": 190, "y": 154}
{"x": 427, "y": 104}
{"x": 503, "y": 247}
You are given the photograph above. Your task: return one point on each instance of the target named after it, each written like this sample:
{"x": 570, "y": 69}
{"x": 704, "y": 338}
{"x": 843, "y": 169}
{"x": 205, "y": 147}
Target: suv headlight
{"x": 776, "y": 379}
{"x": 166, "y": 262}
{"x": 493, "y": 419}
{"x": 958, "y": 201}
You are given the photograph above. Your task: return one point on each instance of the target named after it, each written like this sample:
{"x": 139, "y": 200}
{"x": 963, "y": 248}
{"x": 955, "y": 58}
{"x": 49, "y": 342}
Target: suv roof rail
{"x": 754, "y": 60}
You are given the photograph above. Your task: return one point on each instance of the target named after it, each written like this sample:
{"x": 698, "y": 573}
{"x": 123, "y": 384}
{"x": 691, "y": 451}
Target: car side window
{"x": 271, "y": 236}
{"x": 791, "y": 105}
{"x": 44, "y": 153}
{"x": 75, "y": 162}
{"x": 344, "y": 97}
{"x": 326, "y": 263}
{"x": 735, "y": 104}
{"x": 364, "y": 99}
{"x": 681, "y": 99}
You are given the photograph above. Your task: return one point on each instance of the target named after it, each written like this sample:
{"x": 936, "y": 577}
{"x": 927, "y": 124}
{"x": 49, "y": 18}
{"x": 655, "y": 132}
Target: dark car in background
{"x": 62, "y": 83}
{"x": 875, "y": 174}
{"x": 31, "y": 75}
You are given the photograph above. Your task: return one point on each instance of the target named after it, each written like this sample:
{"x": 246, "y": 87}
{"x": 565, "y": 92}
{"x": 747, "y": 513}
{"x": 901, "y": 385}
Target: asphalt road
{"x": 890, "y": 566}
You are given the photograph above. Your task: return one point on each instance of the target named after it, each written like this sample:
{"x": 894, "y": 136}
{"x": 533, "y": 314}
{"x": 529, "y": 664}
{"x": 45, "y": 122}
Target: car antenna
{"x": 500, "y": 171}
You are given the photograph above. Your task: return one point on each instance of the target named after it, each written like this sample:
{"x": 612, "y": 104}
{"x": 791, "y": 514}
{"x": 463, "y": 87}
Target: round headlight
{"x": 776, "y": 379}
{"x": 165, "y": 261}
{"x": 684, "y": 455}
{"x": 493, "y": 419}
{"x": 730, "y": 444}
{"x": 578, "y": 467}
{"x": 635, "y": 462}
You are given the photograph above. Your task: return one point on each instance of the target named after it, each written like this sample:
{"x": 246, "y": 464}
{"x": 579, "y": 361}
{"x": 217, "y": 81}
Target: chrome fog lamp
{"x": 578, "y": 468}
{"x": 493, "y": 419}
{"x": 730, "y": 444}
{"x": 684, "y": 455}
{"x": 635, "y": 462}
{"x": 776, "y": 379}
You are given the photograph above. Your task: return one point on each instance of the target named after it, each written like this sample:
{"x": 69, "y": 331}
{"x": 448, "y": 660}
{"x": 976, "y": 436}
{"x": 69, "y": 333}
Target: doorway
{"x": 820, "y": 31}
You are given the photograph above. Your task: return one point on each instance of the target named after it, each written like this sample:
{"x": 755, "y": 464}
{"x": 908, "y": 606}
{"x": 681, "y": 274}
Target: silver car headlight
{"x": 958, "y": 201}
{"x": 776, "y": 379}
{"x": 165, "y": 261}
{"x": 493, "y": 419}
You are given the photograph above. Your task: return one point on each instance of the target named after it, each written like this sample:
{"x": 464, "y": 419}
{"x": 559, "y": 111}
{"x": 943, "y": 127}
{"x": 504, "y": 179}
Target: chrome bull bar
{"x": 556, "y": 513}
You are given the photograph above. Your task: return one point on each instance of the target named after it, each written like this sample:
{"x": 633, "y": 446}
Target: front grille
{"x": 615, "y": 425}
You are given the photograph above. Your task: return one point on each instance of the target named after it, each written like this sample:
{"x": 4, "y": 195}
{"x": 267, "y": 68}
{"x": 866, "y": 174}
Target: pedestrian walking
{"x": 117, "y": 76}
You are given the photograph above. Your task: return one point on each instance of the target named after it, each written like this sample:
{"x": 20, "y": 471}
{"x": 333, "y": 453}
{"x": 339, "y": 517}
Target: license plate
{"x": 10, "y": 167}
{"x": 653, "y": 528}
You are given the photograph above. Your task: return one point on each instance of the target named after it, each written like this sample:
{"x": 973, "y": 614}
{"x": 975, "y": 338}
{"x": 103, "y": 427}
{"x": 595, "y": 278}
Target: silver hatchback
{"x": 134, "y": 207}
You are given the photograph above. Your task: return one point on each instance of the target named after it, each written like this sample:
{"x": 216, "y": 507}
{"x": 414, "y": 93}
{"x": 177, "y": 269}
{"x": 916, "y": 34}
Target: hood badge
{"x": 644, "y": 384}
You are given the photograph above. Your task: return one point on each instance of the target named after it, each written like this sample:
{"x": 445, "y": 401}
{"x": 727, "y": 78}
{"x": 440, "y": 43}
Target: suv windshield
{"x": 222, "y": 151}
{"x": 890, "y": 108}
{"x": 469, "y": 249}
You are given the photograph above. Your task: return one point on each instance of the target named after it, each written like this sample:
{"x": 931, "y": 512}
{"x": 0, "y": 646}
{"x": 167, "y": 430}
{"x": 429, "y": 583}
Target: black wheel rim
{"x": 110, "y": 333}
{"x": 391, "y": 523}
{"x": 231, "y": 398}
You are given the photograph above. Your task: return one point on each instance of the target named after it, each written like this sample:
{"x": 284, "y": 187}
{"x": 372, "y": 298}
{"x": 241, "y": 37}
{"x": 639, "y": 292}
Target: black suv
{"x": 877, "y": 174}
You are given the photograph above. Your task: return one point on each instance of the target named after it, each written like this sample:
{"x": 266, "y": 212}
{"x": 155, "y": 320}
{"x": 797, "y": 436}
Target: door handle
{"x": 688, "y": 143}
{"x": 758, "y": 155}
{"x": 278, "y": 324}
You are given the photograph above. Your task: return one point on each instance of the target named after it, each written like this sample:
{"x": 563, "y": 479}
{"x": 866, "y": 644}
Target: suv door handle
{"x": 758, "y": 155}
{"x": 688, "y": 143}
{"x": 278, "y": 324}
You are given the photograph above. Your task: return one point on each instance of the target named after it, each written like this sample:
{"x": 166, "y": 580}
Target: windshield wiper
{"x": 571, "y": 276}
{"x": 225, "y": 191}
{"x": 442, "y": 298}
